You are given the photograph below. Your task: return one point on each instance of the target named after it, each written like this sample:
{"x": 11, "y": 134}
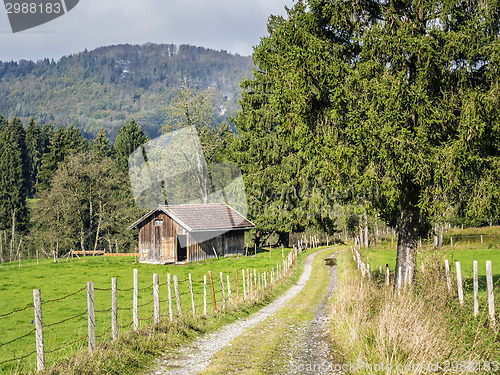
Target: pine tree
{"x": 47, "y": 134}
{"x": 130, "y": 137}
{"x": 63, "y": 143}
{"x": 12, "y": 186}
{"x": 18, "y": 135}
{"x": 35, "y": 146}
{"x": 396, "y": 97}
{"x": 3, "y": 122}
{"x": 102, "y": 145}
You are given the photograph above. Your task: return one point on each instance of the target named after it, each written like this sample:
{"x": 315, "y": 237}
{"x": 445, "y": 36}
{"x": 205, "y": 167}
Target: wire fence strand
{"x": 61, "y": 298}
{"x": 17, "y": 338}
{"x": 65, "y": 320}
{"x": 18, "y": 358}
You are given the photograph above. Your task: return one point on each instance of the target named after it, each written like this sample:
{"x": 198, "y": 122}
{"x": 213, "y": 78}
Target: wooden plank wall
{"x": 229, "y": 243}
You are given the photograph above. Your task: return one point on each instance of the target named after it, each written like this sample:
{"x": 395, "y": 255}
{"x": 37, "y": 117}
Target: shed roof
{"x": 202, "y": 217}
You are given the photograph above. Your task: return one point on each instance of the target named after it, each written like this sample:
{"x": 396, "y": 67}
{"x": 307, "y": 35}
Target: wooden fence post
{"x": 265, "y": 279}
{"x": 204, "y": 294}
{"x": 250, "y": 289}
{"x": 255, "y": 279}
{"x": 40, "y": 352}
{"x": 451, "y": 241}
{"x": 114, "y": 309}
{"x": 476, "y": 288}
{"x": 481, "y": 239}
{"x": 212, "y": 290}
{"x": 229, "y": 296}
{"x": 169, "y": 287}
{"x": 236, "y": 285}
{"x": 258, "y": 276}
{"x": 135, "y": 301}
{"x": 192, "y": 294}
{"x": 222, "y": 291}
{"x": 387, "y": 274}
{"x": 267, "y": 276}
{"x": 244, "y": 286}
{"x": 448, "y": 276}
{"x": 491, "y": 299}
{"x": 177, "y": 295}
{"x": 156, "y": 298}
{"x": 91, "y": 315}
{"x": 459, "y": 284}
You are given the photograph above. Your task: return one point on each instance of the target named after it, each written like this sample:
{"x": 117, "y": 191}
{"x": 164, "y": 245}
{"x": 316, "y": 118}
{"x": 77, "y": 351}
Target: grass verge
{"x": 420, "y": 330}
{"x": 135, "y": 352}
{"x": 56, "y": 280}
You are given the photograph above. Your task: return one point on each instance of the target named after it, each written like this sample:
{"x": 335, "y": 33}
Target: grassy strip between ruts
{"x": 270, "y": 346}
{"x": 135, "y": 352}
{"x": 419, "y": 330}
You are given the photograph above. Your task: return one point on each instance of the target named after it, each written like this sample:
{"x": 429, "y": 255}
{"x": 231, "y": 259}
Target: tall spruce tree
{"x": 3, "y": 122}
{"x": 35, "y": 146}
{"x": 130, "y": 136}
{"x": 18, "y": 136}
{"x": 13, "y": 210}
{"x": 398, "y": 97}
{"x": 47, "y": 134}
{"x": 64, "y": 142}
{"x": 102, "y": 145}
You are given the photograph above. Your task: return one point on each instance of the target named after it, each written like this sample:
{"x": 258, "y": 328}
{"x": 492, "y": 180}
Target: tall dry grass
{"x": 412, "y": 330}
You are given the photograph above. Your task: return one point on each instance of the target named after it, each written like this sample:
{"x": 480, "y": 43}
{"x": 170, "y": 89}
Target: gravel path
{"x": 311, "y": 351}
{"x": 197, "y": 357}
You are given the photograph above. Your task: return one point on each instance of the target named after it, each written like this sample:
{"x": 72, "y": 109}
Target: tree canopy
{"x": 395, "y": 98}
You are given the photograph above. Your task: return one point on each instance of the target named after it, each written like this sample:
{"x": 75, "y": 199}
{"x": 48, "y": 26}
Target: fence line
{"x": 490, "y": 287}
{"x": 251, "y": 289}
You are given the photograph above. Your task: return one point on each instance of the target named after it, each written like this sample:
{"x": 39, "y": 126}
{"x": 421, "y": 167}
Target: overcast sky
{"x": 232, "y": 25}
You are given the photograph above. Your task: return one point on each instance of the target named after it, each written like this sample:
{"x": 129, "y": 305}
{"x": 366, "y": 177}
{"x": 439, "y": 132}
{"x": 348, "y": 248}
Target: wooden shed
{"x": 190, "y": 233}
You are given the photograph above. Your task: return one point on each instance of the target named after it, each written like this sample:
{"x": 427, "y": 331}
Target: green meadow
{"x": 65, "y": 320}
{"x": 465, "y": 249}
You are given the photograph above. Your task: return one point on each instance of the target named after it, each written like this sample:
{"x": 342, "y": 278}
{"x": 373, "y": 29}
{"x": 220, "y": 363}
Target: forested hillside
{"x": 103, "y": 87}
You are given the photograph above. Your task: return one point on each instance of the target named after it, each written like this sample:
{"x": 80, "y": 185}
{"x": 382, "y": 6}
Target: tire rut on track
{"x": 197, "y": 356}
{"x": 312, "y": 350}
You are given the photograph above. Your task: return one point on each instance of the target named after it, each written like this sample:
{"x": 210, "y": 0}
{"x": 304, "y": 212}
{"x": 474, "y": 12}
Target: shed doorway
{"x": 181, "y": 247}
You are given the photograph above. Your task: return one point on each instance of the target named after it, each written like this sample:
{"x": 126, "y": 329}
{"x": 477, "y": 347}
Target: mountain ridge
{"x": 106, "y": 86}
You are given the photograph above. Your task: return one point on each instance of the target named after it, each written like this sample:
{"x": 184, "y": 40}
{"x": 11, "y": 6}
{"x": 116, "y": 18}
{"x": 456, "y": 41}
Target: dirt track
{"x": 312, "y": 344}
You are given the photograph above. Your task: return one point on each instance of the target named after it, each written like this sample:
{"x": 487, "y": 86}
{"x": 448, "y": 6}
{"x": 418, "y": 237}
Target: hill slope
{"x": 105, "y": 86}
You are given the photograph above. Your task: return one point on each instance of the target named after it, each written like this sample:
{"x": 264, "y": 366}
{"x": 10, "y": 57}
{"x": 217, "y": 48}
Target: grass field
{"x": 466, "y": 248}
{"x": 56, "y": 280}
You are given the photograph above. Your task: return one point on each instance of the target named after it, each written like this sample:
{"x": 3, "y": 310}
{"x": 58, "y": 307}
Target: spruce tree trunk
{"x": 408, "y": 230}
{"x": 407, "y": 244}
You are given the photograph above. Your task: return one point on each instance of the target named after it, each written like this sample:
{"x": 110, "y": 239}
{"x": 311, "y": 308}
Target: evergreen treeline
{"x": 60, "y": 191}
{"x": 103, "y": 87}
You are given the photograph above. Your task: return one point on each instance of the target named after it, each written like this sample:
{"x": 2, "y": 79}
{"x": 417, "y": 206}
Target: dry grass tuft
{"x": 376, "y": 325}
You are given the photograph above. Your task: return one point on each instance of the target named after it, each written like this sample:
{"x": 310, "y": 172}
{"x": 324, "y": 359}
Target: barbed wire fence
{"x": 451, "y": 278}
{"x": 225, "y": 291}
